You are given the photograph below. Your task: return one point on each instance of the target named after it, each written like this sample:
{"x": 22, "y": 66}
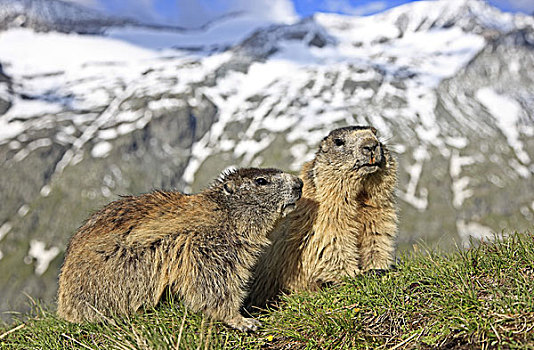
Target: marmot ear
{"x": 373, "y": 129}
{"x": 229, "y": 188}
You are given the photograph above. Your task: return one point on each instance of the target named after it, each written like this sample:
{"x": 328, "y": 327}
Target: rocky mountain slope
{"x": 54, "y": 15}
{"x": 85, "y": 118}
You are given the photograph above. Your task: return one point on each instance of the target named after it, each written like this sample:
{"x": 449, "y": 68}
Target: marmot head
{"x": 353, "y": 149}
{"x": 253, "y": 191}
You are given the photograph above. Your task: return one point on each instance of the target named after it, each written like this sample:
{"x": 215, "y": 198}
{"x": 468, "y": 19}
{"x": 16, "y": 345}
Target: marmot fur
{"x": 202, "y": 247}
{"x": 344, "y": 224}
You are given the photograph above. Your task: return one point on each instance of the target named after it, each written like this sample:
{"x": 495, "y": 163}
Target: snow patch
{"x": 434, "y": 54}
{"x": 420, "y": 202}
{"x": 126, "y": 128}
{"x": 219, "y": 35}
{"x": 42, "y": 256}
{"x": 519, "y": 168}
{"x": 166, "y": 103}
{"x": 24, "y": 109}
{"x": 106, "y": 192}
{"x": 127, "y": 116}
{"x": 457, "y": 162}
{"x": 506, "y": 112}
{"x": 457, "y": 142}
{"x": 468, "y": 230}
{"x": 23, "y": 210}
{"x": 6, "y": 227}
{"x": 249, "y": 148}
{"x": 459, "y": 184}
{"x": 107, "y": 134}
{"x": 101, "y": 149}
{"x": 231, "y": 102}
{"x": 32, "y": 146}
{"x": 301, "y": 155}
{"x": 497, "y": 181}
{"x": 56, "y": 51}
{"x": 525, "y": 211}
{"x": 45, "y": 190}
{"x": 9, "y": 130}
{"x": 13, "y": 145}
{"x": 459, "y": 191}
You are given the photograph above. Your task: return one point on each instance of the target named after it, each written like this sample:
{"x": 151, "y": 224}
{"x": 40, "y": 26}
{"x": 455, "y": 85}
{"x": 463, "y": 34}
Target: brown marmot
{"x": 202, "y": 247}
{"x": 344, "y": 224}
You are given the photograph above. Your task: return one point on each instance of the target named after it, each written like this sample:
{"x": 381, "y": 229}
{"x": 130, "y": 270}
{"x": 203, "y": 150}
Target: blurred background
{"x": 100, "y": 98}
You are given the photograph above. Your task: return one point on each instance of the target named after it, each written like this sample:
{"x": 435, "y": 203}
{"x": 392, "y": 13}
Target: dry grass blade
{"x": 347, "y": 307}
{"x": 181, "y": 331}
{"x": 404, "y": 342}
{"x": 76, "y": 341}
{"x": 202, "y": 330}
{"x": 12, "y": 330}
{"x": 208, "y": 337}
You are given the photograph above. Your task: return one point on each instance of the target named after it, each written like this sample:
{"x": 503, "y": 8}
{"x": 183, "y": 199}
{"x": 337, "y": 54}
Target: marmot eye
{"x": 339, "y": 142}
{"x": 261, "y": 181}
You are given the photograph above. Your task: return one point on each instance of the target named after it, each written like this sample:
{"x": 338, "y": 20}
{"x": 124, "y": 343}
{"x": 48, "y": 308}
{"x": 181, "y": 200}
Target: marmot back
{"x": 344, "y": 224}
{"x": 202, "y": 247}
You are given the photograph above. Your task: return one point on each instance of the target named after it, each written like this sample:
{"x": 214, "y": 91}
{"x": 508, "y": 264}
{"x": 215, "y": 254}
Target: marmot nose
{"x": 369, "y": 147}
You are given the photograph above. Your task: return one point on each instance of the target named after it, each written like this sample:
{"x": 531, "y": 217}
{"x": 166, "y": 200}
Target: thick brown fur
{"x": 202, "y": 247}
{"x": 344, "y": 224}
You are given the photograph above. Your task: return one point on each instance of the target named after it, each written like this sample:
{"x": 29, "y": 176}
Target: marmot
{"x": 344, "y": 224}
{"x": 202, "y": 247}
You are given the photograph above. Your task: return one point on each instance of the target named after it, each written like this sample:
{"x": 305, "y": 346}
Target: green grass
{"x": 477, "y": 298}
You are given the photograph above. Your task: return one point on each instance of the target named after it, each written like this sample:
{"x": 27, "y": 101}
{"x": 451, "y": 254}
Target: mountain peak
{"x": 473, "y": 16}
{"x": 55, "y": 15}
{"x": 470, "y": 15}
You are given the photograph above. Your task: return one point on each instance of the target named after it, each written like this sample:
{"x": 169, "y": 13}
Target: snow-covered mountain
{"x": 84, "y": 118}
{"x": 54, "y": 15}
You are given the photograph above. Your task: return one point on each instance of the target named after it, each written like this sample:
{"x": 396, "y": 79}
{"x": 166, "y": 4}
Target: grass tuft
{"x": 476, "y": 298}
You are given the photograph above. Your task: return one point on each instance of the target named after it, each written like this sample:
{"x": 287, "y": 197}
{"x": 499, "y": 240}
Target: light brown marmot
{"x": 202, "y": 247}
{"x": 344, "y": 224}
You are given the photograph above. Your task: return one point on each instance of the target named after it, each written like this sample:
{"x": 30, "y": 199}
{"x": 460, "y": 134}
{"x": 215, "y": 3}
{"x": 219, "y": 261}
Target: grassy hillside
{"x": 479, "y": 298}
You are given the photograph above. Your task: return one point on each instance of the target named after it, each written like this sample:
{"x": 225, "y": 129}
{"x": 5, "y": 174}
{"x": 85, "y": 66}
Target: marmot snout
{"x": 363, "y": 153}
{"x": 202, "y": 247}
